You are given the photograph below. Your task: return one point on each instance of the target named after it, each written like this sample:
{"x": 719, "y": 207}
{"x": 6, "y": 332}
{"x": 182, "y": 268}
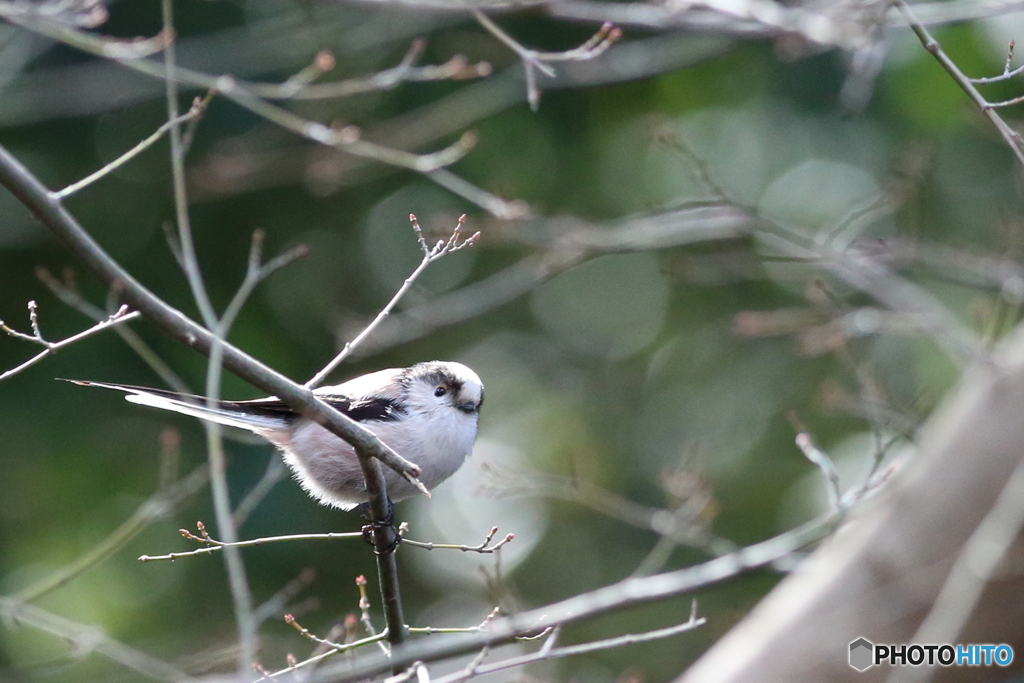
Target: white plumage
{"x": 427, "y": 413}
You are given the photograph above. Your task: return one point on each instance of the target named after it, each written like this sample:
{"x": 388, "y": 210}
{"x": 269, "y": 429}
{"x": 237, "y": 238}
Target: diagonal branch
{"x": 1012, "y": 138}
{"x": 89, "y": 638}
{"x": 120, "y": 316}
{"x": 51, "y": 212}
{"x": 618, "y": 596}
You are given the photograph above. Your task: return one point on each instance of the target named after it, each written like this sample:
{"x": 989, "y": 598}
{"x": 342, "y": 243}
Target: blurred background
{"x": 618, "y": 384}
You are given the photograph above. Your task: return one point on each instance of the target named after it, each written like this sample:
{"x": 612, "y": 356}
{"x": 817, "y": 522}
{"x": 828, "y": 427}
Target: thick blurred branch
{"x": 158, "y": 506}
{"x": 85, "y": 638}
{"x": 883, "y": 572}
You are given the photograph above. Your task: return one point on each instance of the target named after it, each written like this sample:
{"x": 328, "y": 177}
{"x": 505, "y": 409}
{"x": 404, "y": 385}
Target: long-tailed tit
{"x": 427, "y": 413}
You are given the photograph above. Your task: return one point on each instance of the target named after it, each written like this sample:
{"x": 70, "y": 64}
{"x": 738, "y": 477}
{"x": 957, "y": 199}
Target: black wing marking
{"x": 371, "y": 409}
{"x": 361, "y": 410}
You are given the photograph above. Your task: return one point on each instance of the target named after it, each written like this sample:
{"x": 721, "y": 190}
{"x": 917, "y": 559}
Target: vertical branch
{"x": 189, "y": 262}
{"x": 241, "y": 597}
{"x": 387, "y": 568}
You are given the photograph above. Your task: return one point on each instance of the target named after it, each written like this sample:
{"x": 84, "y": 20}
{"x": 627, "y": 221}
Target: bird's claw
{"x": 381, "y": 534}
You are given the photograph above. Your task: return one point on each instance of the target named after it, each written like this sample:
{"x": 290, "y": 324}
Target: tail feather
{"x": 195, "y": 406}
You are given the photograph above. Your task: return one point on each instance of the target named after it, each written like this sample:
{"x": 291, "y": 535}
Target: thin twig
{"x": 345, "y": 140}
{"x": 276, "y": 471}
{"x": 370, "y": 450}
{"x": 1007, "y": 74}
{"x": 335, "y": 647}
{"x": 548, "y": 651}
{"x": 158, "y": 506}
{"x": 431, "y": 630}
{"x": 241, "y": 597}
{"x": 364, "y": 612}
{"x": 301, "y": 86}
{"x": 534, "y": 60}
{"x": 430, "y": 254}
{"x": 483, "y": 548}
{"x": 130, "y": 49}
{"x": 562, "y": 250}
{"x": 255, "y": 96}
{"x": 198, "y": 107}
{"x": 256, "y": 272}
{"x": 1010, "y": 136}
{"x": 68, "y": 293}
{"x": 120, "y": 316}
{"x": 213, "y": 545}
{"x": 820, "y": 460}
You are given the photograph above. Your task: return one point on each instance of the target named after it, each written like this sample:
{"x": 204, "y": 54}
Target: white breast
{"x": 328, "y": 469}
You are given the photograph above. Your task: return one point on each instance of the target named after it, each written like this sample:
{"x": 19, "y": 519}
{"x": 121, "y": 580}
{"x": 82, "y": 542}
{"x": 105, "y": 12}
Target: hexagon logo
{"x": 862, "y": 653}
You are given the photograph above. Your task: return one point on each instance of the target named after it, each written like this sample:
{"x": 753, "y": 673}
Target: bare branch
{"x": 1010, "y": 136}
{"x": 55, "y": 217}
{"x": 193, "y": 114}
{"x": 301, "y": 87}
{"x": 534, "y": 60}
{"x": 254, "y": 98}
{"x": 213, "y": 545}
{"x": 633, "y": 591}
{"x": 364, "y": 612}
{"x": 29, "y": 16}
{"x": 49, "y": 348}
{"x": 335, "y": 647}
{"x": 974, "y": 567}
{"x": 432, "y": 630}
{"x": 565, "y": 244}
{"x": 1007, "y": 74}
{"x": 430, "y": 254}
{"x": 548, "y": 651}
{"x": 158, "y": 506}
{"x": 482, "y": 548}
{"x": 88, "y": 638}
{"x": 66, "y": 290}
{"x": 820, "y": 460}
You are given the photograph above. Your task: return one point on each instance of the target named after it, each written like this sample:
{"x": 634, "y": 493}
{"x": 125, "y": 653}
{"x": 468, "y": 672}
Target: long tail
{"x": 195, "y": 406}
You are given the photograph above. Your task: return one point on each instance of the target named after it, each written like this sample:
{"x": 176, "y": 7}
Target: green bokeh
{"x": 614, "y": 372}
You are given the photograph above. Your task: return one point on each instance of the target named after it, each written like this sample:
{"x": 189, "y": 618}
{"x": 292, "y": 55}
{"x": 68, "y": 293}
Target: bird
{"x": 428, "y": 413}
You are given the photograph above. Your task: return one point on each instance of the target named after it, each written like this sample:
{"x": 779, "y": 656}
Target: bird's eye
{"x": 440, "y": 391}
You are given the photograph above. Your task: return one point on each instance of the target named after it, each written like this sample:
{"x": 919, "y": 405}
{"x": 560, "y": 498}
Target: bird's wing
{"x": 365, "y": 409}
{"x": 257, "y": 415}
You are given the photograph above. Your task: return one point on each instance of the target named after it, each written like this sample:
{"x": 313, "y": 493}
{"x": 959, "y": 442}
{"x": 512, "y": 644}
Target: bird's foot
{"x": 381, "y": 534}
